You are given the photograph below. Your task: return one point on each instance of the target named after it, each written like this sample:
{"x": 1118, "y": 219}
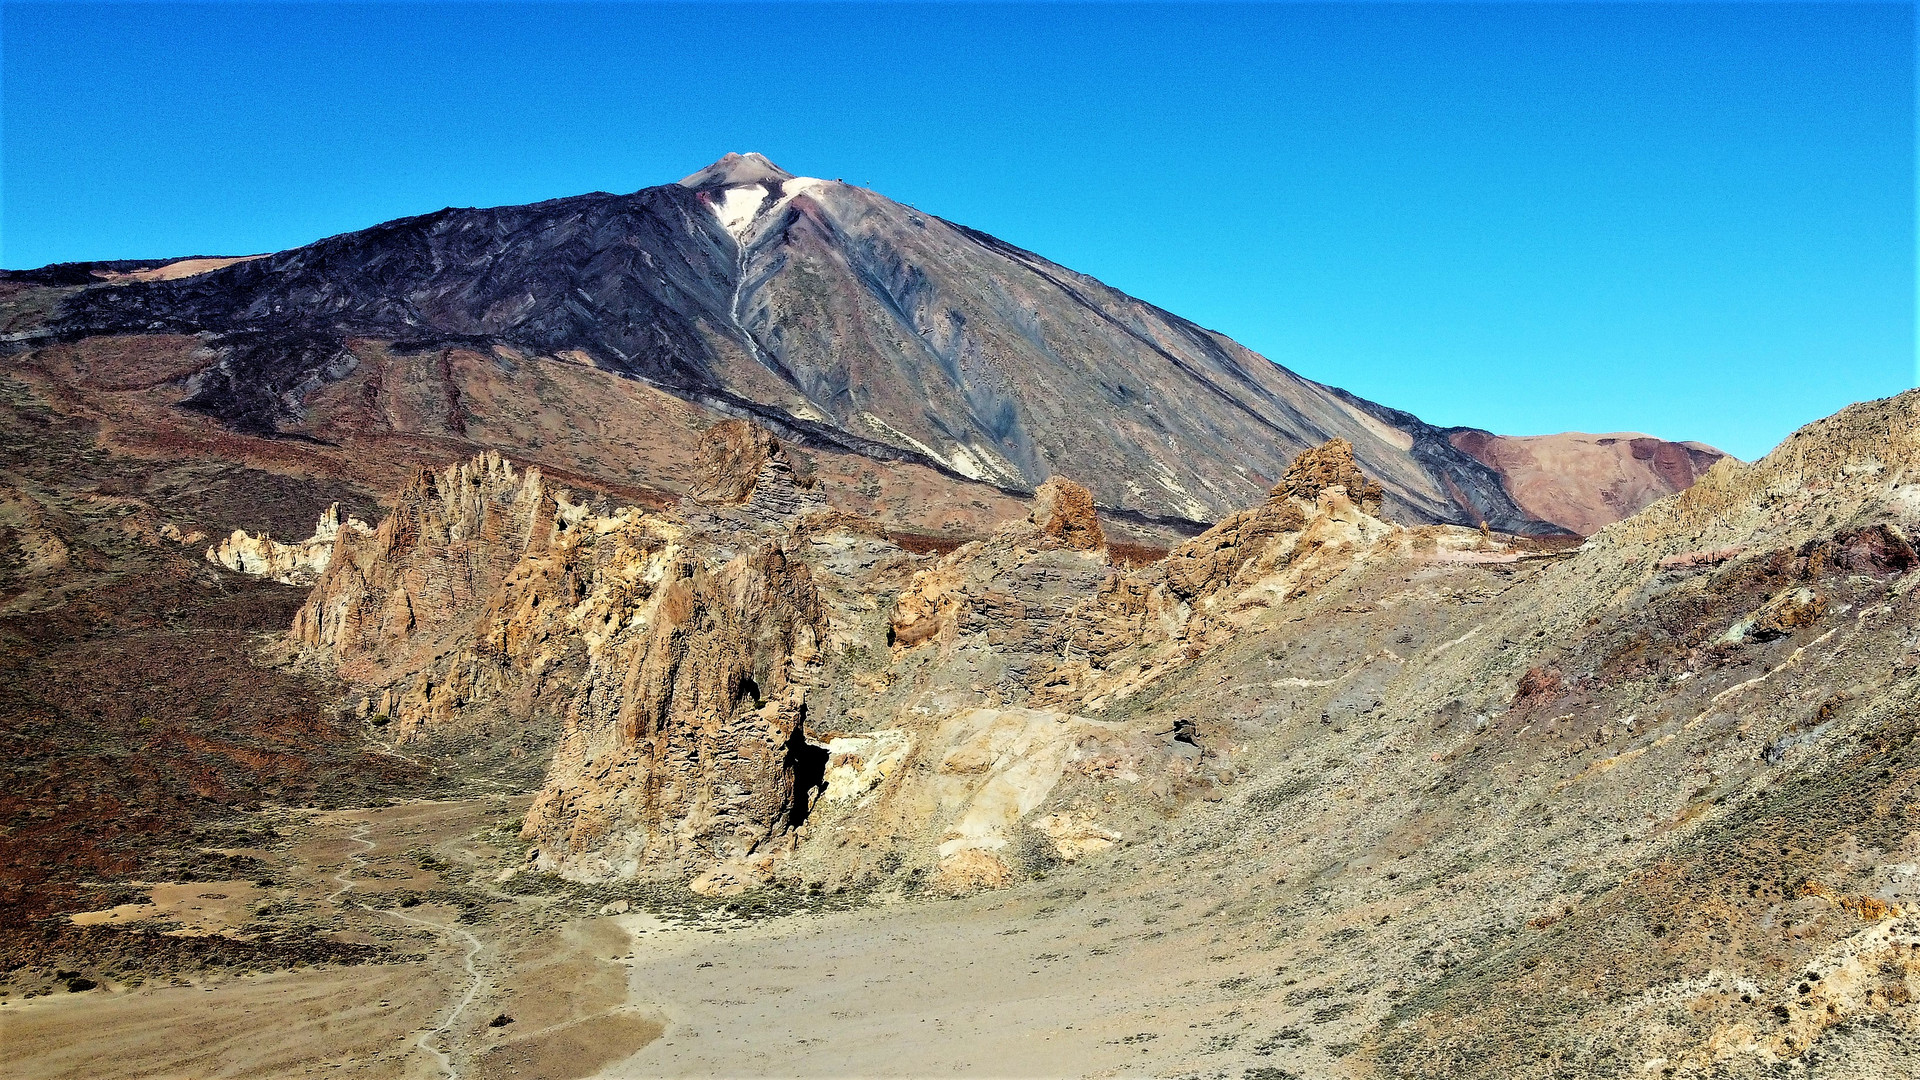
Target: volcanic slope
{"x": 1461, "y": 805}
{"x": 1315, "y": 794}
{"x": 843, "y": 321}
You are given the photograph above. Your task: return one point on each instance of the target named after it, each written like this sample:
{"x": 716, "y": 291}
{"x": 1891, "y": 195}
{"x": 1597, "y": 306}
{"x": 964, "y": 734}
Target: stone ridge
{"x": 684, "y": 657}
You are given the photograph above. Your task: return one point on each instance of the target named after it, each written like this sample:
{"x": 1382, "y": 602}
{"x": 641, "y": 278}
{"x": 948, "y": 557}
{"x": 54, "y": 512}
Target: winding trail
{"x": 474, "y": 981}
{"x": 355, "y": 862}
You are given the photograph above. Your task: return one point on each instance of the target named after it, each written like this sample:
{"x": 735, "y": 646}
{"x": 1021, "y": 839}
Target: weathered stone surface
{"x": 856, "y": 764}
{"x": 1065, "y": 513}
{"x": 676, "y": 667}
{"x": 684, "y": 741}
{"x": 749, "y": 483}
{"x": 1328, "y": 465}
{"x": 1310, "y": 511}
{"x": 732, "y": 454}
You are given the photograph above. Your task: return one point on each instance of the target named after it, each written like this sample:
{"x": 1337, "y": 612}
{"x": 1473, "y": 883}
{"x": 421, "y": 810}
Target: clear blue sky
{"x": 1693, "y": 220}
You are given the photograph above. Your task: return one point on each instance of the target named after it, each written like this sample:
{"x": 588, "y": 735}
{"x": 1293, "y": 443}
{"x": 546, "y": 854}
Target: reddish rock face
{"x": 1676, "y": 463}
{"x": 1584, "y": 483}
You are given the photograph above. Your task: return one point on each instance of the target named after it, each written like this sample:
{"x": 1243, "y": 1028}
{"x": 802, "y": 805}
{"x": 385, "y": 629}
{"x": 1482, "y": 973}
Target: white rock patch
{"x": 799, "y": 185}
{"x": 856, "y": 764}
{"x": 299, "y": 563}
{"x": 737, "y": 207}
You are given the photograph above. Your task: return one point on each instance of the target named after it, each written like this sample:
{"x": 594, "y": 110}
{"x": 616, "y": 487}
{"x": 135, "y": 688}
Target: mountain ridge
{"x": 837, "y": 318}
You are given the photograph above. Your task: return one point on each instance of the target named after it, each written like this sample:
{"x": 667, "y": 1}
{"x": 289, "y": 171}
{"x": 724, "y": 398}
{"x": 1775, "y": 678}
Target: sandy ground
{"x": 552, "y": 972}
{"x": 983, "y": 987}
{"x": 1082, "y": 975}
{"x": 1087, "y": 974}
{"x": 182, "y": 268}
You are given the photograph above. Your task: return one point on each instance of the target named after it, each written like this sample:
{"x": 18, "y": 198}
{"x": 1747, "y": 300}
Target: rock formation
{"x": 674, "y": 662}
{"x": 299, "y": 563}
{"x": 748, "y": 478}
{"x": 1328, "y": 466}
{"x": 1065, "y": 513}
{"x": 732, "y": 454}
{"x": 729, "y": 698}
{"x": 687, "y": 740}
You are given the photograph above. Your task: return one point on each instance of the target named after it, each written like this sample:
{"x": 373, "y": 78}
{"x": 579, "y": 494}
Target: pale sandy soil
{"x": 992, "y": 986}
{"x": 203, "y": 907}
{"x": 1049, "y": 979}
{"x": 289, "y": 1023}
{"x": 181, "y": 268}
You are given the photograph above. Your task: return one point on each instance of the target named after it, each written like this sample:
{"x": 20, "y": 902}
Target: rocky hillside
{"x": 581, "y": 333}
{"x": 1501, "y": 809}
{"x": 1582, "y": 482}
{"x": 1367, "y": 798}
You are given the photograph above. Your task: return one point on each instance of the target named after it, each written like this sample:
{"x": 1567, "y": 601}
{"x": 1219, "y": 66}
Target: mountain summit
{"x": 837, "y": 318}
{"x": 735, "y": 170}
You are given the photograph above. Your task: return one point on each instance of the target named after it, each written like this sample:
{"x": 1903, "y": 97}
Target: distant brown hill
{"x": 1583, "y": 482}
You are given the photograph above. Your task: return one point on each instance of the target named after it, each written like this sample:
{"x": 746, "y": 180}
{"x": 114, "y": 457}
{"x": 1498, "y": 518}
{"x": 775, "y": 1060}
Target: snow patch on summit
{"x": 738, "y": 205}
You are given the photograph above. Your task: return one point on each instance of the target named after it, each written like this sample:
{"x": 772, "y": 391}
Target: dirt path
{"x": 384, "y": 876}
{"x": 354, "y": 862}
{"x": 425, "y": 1040}
{"x": 474, "y": 983}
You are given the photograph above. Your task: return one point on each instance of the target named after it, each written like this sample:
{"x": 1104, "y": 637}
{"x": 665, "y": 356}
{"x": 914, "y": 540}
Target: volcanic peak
{"x": 738, "y": 170}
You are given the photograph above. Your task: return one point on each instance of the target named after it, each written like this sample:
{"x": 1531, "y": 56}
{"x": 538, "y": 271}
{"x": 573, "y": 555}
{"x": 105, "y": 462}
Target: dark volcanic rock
{"x": 625, "y": 279}
{"x": 828, "y": 314}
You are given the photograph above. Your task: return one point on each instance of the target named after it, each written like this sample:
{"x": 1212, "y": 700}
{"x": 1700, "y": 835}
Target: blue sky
{"x": 1694, "y": 220}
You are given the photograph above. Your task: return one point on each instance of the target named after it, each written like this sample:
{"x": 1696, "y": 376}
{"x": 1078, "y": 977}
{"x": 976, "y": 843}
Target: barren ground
{"x": 1027, "y": 982}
